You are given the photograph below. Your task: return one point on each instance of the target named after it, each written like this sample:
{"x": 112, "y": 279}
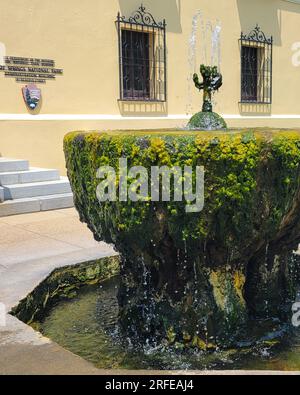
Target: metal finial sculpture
{"x": 207, "y": 119}
{"x": 212, "y": 81}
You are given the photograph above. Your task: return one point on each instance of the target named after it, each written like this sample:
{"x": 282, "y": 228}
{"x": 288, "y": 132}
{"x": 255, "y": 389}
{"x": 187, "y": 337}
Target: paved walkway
{"x": 31, "y": 246}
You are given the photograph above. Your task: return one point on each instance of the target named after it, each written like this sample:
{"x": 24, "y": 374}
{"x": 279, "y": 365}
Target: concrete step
{"x": 28, "y": 176}
{"x": 7, "y": 164}
{"x": 20, "y": 191}
{"x": 35, "y": 204}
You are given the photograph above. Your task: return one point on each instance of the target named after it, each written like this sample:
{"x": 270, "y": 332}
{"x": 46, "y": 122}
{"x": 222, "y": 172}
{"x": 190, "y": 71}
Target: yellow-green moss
{"x": 232, "y": 162}
{"x": 251, "y": 188}
{"x": 219, "y": 281}
{"x": 64, "y": 283}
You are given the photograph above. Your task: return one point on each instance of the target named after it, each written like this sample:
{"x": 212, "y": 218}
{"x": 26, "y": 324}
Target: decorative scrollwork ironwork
{"x": 142, "y": 17}
{"x": 142, "y": 57}
{"x": 256, "y": 67}
{"x": 257, "y": 35}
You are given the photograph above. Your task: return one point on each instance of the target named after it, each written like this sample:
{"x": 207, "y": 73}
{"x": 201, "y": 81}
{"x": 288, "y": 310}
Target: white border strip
{"x": 107, "y": 117}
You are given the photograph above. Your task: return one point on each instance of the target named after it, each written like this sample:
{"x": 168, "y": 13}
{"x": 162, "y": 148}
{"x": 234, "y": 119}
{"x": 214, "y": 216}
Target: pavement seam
{"x": 46, "y": 237}
{"x": 2, "y": 219}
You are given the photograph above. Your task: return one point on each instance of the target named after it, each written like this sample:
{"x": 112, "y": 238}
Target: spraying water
{"x": 216, "y": 47}
{"x": 192, "y": 57}
{"x": 204, "y": 47}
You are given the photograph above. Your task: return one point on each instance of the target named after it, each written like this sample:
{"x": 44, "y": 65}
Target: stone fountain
{"x": 196, "y": 279}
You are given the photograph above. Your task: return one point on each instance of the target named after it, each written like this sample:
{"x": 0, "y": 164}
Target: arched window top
{"x": 257, "y": 35}
{"x": 142, "y": 57}
{"x": 256, "y": 67}
{"x": 142, "y": 17}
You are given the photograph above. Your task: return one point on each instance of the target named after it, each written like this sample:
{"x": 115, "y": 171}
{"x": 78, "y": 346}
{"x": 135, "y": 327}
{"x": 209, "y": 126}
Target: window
{"x": 256, "y": 67}
{"x": 142, "y": 57}
{"x": 135, "y": 65}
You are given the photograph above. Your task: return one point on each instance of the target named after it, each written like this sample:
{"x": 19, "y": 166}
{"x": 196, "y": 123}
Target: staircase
{"x": 25, "y": 189}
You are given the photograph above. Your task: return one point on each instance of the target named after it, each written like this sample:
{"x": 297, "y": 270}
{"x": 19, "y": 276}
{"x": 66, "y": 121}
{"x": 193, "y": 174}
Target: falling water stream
{"x": 204, "y": 47}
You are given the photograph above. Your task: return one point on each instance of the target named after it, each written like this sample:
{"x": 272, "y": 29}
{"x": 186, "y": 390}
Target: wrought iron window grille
{"x": 256, "y": 67}
{"x": 142, "y": 57}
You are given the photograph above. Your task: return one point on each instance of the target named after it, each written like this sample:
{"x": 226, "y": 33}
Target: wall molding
{"x": 107, "y": 117}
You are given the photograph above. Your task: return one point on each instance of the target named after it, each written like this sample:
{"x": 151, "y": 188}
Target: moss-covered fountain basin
{"x": 197, "y": 278}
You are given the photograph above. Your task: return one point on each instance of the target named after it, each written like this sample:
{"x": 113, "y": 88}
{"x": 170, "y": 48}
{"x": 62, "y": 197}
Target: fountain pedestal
{"x": 176, "y": 299}
{"x": 197, "y": 278}
{"x": 207, "y": 119}
{"x": 186, "y": 296}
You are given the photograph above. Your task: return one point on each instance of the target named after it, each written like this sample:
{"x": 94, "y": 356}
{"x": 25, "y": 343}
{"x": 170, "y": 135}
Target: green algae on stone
{"x": 63, "y": 283}
{"x": 249, "y": 225}
{"x": 207, "y": 121}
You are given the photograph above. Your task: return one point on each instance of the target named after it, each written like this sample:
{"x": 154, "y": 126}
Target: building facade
{"x": 116, "y": 64}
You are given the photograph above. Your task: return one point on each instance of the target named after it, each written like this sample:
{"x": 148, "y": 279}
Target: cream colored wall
{"x": 81, "y": 37}
{"x": 42, "y": 141}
